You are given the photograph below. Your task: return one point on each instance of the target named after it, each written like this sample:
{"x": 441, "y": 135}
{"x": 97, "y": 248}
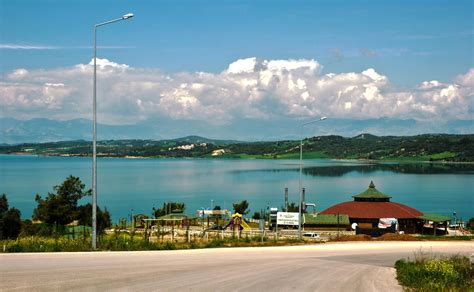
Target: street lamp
{"x": 94, "y": 131}
{"x": 301, "y": 166}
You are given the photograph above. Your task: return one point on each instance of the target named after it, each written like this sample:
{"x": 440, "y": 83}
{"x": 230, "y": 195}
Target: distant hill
{"x": 428, "y": 147}
{"x": 198, "y": 140}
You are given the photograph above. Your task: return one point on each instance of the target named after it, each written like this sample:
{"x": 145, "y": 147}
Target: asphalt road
{"x": 359, "y": 266}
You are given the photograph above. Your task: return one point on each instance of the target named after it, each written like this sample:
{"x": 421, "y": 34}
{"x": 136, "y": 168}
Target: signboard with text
{"x": 287, "y": 218}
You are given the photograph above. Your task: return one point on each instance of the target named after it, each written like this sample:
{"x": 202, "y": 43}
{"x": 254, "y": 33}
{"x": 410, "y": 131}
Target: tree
{"x": 170, "y": 207}
{"x": 292, "y": 207}
{"x": 470, "y": 224}
{"x": 103, "y": 217}
{"x": 10, "y": 220}
{"x": 217, "y": 208}
{"x": 256, "y": 215}
{"x": 3, "y": 204}
{"x": 241, "y": 207}
{"x": 61, "y": 207}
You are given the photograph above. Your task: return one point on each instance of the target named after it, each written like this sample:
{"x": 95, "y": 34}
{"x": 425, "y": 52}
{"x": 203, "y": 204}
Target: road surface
{"x": 356, "y": 266}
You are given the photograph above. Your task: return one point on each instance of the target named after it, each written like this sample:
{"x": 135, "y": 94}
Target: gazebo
{"x": 370, "y": 206}
{"x": 436, "y": 221}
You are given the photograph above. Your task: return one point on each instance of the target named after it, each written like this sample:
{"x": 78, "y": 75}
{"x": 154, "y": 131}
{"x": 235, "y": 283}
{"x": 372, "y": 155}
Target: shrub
{"x": 436, "y": 274}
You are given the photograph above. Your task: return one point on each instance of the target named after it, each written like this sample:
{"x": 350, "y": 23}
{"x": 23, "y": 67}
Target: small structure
{"x": 326, "y": 221}
{"x": 372, "y": 205}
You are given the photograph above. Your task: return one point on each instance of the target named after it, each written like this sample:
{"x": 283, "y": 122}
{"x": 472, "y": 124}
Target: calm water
{"x": 140, "y": 184}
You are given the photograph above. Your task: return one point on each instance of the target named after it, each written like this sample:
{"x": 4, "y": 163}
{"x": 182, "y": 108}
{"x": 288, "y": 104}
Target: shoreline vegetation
{"x": 433, "y": 148}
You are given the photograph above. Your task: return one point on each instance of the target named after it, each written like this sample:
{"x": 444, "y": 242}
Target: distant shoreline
{"x": 368, "y": 161}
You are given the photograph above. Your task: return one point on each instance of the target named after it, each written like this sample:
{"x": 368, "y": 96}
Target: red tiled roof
{"x": 373, "y": 210}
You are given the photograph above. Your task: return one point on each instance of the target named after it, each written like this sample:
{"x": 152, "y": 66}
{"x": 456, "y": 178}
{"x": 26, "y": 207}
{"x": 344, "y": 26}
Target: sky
{"x": 223, "y": 61}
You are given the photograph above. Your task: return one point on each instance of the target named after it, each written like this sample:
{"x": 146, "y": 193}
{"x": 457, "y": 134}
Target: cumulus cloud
{"x": 248, "y": 88}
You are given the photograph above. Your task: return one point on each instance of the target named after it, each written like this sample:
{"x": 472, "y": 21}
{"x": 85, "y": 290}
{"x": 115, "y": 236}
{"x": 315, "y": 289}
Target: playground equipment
{"x": 237, "y": 223}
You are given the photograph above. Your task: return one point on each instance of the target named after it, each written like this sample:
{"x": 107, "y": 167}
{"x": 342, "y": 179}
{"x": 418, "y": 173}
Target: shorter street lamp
{"x": 301, "y": 167}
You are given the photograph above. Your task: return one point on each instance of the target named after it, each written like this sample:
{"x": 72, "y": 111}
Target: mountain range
{"x": 14, "y": 131}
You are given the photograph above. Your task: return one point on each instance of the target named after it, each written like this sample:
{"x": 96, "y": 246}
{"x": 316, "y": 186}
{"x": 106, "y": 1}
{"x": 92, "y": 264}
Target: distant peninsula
{"x": 427, "y": 147}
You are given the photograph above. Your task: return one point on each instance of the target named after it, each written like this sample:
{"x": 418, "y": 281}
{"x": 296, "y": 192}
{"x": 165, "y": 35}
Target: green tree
{"x": 217, "y": 208}
{"x": 169, "y": 207}
{"x": 256, "y": 215}
{"x": 292, "y": 207}
{"x": 470, "y": 224}
{"x": 241, "y": 207}
{"x": 103, "y": 217}
{"x": 3, "y": 204}
{"x": 10, "y": 219}
{"x": 61, "y": 206}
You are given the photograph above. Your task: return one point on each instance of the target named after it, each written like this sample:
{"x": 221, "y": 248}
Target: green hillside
{"x": 429, "y": 147}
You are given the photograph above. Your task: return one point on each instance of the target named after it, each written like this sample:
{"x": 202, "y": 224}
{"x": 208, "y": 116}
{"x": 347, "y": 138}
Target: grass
{"x": 306, "y": 155}
{"x": 446, "y": 238}
{"x": 127, "y": 242}
{"x": 429, "y": 273}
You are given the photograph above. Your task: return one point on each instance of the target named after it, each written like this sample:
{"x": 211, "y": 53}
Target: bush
{"x": 436, "y": 274}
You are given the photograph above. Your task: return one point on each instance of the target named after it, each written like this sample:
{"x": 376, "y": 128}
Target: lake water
{"x": 141, "y": 184}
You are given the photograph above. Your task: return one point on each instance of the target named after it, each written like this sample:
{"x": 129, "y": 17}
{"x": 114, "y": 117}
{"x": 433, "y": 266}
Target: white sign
{"x": 200, "y": 213}
{"x": 287, "y": 218}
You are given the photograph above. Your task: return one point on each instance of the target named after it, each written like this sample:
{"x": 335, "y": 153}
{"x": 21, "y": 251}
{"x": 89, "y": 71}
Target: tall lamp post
{"x": 94, "y": 131}
{"x": 301, "y": 168}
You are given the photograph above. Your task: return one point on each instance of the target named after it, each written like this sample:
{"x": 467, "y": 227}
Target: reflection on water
{"x": 408, "y": 168}
{"x": 331, "y": 170}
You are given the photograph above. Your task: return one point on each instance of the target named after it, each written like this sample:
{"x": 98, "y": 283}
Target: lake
{"x": 141, "y": 184}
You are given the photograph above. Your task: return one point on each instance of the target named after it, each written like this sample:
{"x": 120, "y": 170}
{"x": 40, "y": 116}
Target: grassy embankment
{"x": 123, "y": 241}
{"x": 429, "y": 273}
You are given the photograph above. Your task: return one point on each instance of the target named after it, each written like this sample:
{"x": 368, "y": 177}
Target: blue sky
{"x": 410, "y": 41}
{"x": 263, "y": 60}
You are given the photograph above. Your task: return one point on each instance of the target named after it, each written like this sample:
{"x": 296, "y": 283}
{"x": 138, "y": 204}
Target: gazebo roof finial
{"x": 371, "y": 194}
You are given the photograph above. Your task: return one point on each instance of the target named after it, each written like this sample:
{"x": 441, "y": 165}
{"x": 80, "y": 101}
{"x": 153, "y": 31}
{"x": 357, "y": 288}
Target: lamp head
{"x": 127, "y": 16}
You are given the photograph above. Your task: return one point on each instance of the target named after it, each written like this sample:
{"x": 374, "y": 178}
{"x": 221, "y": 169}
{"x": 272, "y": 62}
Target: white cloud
{"x": 18, "y": 74}
{"x": 104, "y": 63}
{"x": 242, "y": 66}
{"x": 248, "y": 88}
{"x": 26, "y": 47}
{"x": 466, "y": 79}
{"x": 46, "y": 47}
